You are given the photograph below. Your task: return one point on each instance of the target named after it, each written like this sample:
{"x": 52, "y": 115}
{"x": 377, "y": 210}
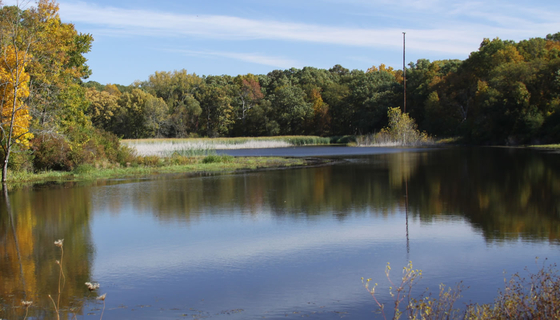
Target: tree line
{"x": 506, "y": 92}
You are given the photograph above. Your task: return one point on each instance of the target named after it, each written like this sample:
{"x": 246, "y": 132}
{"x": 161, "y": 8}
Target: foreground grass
{"x": 196, "y": 165}
{"x": 526, "y": 295}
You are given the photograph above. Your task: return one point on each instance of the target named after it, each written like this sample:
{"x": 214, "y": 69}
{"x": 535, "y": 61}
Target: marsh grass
{"x": 208, "y": 146}
{"x": 386, "y": 139}
{"x": 546, "y": 146}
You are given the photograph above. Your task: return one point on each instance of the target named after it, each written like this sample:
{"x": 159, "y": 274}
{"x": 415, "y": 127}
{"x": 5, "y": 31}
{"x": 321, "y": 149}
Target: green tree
{"x": 291, "y": 109}
{"x": 140, "y": 115}
{"x": 102, "y": 108}
{"x": 215, "y": 101}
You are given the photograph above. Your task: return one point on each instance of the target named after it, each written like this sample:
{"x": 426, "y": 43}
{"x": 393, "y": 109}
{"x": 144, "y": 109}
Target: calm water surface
{"x": 281, "y": 244}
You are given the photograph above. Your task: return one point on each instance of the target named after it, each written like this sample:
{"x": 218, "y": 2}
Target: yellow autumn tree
{"x": 14, "y": 114}
{"x": 42, "y": 61}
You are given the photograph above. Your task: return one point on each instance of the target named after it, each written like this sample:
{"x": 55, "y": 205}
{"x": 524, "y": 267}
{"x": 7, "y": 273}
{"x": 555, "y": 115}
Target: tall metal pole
{"x": 404, "y": 67}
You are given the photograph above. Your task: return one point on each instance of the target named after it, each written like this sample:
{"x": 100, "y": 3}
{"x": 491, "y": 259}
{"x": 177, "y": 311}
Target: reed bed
{"x": 383, "y": 139}
{"x": 207, "y": 146}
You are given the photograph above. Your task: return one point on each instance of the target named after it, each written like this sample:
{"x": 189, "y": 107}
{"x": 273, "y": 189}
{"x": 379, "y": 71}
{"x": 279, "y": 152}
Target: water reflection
{"x": 27, "y": 268}
{"x": 275, "y": 240}
{"x": 505, "y": 193}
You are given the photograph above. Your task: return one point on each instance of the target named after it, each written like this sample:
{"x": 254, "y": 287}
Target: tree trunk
{"x": 5, "y": 169}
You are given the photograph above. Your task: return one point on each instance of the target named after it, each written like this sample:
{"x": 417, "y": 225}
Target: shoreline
{"x": 237, "y": 165}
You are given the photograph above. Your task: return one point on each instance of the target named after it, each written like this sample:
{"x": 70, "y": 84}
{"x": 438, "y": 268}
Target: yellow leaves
{"x": 54, "y": 44}
{"x": 398, "y": 74}
{"x": 507, "y": 55}
{"x": 112, "y": 90}
{"x": 382, "y": 67}
{"x": 550, "y": 45}
{"x": 14, "y": 89}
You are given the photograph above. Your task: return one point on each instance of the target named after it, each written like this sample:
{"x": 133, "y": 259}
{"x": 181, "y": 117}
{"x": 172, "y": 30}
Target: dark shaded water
{"x": 282, "y": 243}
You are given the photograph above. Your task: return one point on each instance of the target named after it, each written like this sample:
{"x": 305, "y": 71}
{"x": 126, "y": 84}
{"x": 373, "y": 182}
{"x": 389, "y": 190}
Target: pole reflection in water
{"x": 282, "y": 243}
{"x": 406, "y": 215}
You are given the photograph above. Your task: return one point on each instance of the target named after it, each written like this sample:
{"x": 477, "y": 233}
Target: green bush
{"x": 20, "y": 160}
{"x": 218, "y": 159}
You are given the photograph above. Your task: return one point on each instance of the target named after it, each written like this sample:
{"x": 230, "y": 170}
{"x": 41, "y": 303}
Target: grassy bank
{"x": 155, "y": 165}
{"x": 546, "y": 146}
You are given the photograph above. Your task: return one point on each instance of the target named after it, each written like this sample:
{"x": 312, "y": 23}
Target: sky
{"x": 136, "y": 38}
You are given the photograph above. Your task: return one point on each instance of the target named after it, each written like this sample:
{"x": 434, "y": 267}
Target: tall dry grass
{"x": 208, "y": 146}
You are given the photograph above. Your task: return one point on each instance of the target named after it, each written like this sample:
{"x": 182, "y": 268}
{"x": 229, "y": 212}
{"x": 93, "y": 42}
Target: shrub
{"x": 402, "y": 131}
{"x": 181, "y": 160}
{"x": 51, "y": 152}
{"x": 423, "y": 307}
{"x": 20, "y": 160}
{"x": 535, "y": 296}
{"x": 150, "y": 161}
{"x": 79, "y": 146}
{"x": 126, "y": 155}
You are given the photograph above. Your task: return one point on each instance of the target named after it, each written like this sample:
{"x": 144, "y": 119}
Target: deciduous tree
{"x": 14, "y": 114}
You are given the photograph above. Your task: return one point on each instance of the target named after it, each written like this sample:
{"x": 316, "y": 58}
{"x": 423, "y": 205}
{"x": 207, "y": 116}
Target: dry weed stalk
{"x": 102, "y": 297}
{"x": 26, "y": 304}
{"x": 59, "y": 243}
{"x": 425, "y": 307}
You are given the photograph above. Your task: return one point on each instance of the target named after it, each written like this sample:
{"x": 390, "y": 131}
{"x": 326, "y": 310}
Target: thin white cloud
{"x": 257, "y": 58}
{"x": 456, "y": 38}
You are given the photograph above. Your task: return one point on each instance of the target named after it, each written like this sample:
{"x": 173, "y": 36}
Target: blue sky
{"x": 133, "y": 39}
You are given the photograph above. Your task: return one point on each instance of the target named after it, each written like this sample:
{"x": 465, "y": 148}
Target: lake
{"x": 282, "y": 244}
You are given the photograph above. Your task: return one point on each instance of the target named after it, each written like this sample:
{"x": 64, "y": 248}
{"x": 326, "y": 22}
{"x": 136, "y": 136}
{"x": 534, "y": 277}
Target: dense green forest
{"x": 52, "y": 119}
{"x": 504, "y": 93}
